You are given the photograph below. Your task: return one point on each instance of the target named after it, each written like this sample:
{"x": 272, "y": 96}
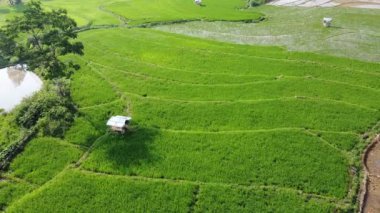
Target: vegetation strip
{"x": 249, "y": 101}
{"x": 252, "y": 186}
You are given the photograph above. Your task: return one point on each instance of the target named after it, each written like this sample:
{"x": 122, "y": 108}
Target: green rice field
{"x": 217, "y": 126}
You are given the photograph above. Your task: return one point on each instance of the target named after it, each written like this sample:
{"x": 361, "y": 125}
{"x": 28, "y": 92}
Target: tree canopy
{"x": 39, "y": 38}
{"x": 51, "y": 110}
{"x": 14, "y": 2}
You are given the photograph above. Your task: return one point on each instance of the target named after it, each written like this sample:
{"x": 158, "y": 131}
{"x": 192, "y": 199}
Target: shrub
{"x": 51, "y": 110}
{"x": 255, "y": 3}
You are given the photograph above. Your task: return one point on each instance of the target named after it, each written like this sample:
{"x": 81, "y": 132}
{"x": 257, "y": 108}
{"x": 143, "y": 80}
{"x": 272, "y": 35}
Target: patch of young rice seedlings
{"x": 237, "y": 62}
{"x": 82, "y": 132}
{"x": 136, "y": 68}
{"x": 97, "y": 116}
{"x": 235, "y": 116}
{"x": 93, "y": 13}
{"x": 285, "y": 158}
{"x": 355, "y": 32}
{"x": 42, "y": 159}
{"x": 11, "y": 190}
{"x": 76, "y": 191}
{"x": 238, "y": 199}
{"x": 344, "y": 141}
{"x": 88, "y": 89}
{"x": 285, "y": 87}
{"x": 144, "y": 11}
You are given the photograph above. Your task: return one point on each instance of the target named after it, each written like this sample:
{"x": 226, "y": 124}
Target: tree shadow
{"x": 19, "y": 7}
{"x": 4, "y": 11}
{"x": 130, "y": 150}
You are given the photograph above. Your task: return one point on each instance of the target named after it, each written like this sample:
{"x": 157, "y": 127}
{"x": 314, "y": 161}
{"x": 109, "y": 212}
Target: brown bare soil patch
{"x": 371, "y": 202}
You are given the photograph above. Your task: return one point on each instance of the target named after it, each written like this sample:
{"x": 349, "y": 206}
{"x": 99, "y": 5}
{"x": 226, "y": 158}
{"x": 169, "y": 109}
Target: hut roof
{"x": 118, "y": 121}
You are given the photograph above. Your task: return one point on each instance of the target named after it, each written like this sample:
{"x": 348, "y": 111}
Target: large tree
{"x": 39, "y": 38}
{"x": 14, "y": 2}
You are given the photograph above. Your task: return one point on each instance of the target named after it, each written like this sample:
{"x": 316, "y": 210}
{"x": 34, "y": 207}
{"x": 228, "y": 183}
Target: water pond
{"x": 16, "y": 84}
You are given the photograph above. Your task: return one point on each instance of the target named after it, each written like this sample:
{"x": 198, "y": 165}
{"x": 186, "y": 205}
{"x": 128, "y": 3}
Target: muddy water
{"x": 15, "y": 85}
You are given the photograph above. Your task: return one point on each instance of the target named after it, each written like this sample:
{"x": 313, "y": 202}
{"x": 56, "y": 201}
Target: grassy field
{"x": 115, "y": 12}
{"x": 355, "y": 32}
{"x": 132, "y": 13}
{"x": 217, "y": 127}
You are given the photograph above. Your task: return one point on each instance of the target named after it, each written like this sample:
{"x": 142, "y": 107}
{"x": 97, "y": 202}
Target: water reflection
{"x": 15, "y": 84}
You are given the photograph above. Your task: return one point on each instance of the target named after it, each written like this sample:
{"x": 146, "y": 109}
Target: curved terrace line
{"x": 344, "y": 153}
{"x": 291, "y": 98}
{"x": 274, "y": 80}
{"x": 101, "y": 104}
{"x": 319, "y": 63}
{"x": 336, "y": 201}
{"x": 348, "y": 155}
{"x": 251, "y": 131}
{"x": 62, "y": 172}
{"x": 177, "y": 69}
{"x": 239, "y": 101}
{"x": 181, "y": 70}
{"x": 181, "y": 82}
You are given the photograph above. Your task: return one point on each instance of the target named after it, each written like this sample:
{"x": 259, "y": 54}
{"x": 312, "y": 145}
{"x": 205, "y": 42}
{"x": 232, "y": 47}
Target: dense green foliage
{"x": 15, "y": 2}
{"x": 9, "y": 131}
{"x": 38, "y": 38}
{"x": 50, "y": 110}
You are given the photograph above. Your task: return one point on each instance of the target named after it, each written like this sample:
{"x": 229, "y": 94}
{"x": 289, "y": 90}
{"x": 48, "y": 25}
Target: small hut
{"x": 119, "y": 123}
{"x": 198, "y": 2}
{"x": 327, "y": 21}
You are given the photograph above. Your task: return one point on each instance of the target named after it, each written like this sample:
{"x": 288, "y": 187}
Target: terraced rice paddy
{"x": 217, "y": 127}
{"x": 355, "y": 33}
{"x": 100, "y": 12}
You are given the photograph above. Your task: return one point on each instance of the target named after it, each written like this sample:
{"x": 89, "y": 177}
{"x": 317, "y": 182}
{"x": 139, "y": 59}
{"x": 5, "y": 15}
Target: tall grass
{"x": 82, "y": 192}
{"x": 283, "y": 158}
{"x": 42, "y": 159}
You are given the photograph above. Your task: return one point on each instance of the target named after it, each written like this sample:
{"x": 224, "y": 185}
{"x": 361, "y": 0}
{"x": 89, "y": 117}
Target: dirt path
{"x": 372, "y": 163}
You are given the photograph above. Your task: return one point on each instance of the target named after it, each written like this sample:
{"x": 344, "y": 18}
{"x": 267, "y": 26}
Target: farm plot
{"x": 215, "y": 126}
{"x": 355, "y": 33}
{"x": 99, "y": 193}
{"x": 42, "y": 159}
{"x": 144, "y": 11}
{"x": 115, "y": 12}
